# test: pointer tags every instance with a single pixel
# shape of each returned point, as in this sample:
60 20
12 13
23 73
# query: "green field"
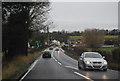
104 48
80 37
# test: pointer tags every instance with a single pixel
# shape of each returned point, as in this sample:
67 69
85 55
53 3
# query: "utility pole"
48 34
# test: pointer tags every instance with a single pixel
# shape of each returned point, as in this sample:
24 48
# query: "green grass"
106 37
15 68
103 48
75 37
108 48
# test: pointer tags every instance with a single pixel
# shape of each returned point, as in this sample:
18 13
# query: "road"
61 66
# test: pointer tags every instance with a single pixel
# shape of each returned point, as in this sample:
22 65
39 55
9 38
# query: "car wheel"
104 69
84 67
79 66
43 56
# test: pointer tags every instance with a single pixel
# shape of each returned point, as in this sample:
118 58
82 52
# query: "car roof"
91 52
46 51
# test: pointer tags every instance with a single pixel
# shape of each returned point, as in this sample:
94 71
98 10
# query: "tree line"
19 21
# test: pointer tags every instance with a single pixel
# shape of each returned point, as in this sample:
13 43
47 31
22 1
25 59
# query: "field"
80 37
104 48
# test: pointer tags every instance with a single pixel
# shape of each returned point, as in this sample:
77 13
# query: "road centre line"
83 76
71 67
55 59
59 63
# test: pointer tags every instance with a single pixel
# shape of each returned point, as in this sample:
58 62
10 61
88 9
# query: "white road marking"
56 59
83 76
71 67
24 75
59 63
31 67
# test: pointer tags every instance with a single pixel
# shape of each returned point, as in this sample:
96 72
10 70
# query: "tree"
61 36
93 37
19 19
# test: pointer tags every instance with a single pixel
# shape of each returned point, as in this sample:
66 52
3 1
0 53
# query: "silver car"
92 60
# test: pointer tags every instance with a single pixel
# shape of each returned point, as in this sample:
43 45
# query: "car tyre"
43 56
79 66
84 67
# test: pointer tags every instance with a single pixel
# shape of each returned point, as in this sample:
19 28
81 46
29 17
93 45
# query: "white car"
92 60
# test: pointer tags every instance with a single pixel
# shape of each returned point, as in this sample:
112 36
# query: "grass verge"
18 66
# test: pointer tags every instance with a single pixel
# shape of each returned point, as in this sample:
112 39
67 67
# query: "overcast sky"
77 16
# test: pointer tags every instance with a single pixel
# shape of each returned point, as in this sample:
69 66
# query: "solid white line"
83 76
31 67
25 75
71 67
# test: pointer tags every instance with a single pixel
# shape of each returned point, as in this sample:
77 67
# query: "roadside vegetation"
19 65
22 23
108 37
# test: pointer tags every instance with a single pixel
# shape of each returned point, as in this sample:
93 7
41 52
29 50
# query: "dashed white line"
83 76
71 67
55 59
59 63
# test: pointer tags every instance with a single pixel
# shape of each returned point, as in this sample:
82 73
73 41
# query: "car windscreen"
50 48
93 55
57 49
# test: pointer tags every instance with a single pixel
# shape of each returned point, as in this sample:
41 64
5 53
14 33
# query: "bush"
79 50
107 54
112 57
116 55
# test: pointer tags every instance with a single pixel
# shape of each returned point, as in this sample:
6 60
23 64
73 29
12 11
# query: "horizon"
78 16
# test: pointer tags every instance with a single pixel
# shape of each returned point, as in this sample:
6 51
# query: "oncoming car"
57 49
92 60
46 54
50 48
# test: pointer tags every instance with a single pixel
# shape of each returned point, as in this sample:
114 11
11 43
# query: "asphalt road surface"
61 66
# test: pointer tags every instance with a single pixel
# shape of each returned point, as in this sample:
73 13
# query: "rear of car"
46 54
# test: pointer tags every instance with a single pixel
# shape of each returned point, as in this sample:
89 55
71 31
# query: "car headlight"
104 62
87 62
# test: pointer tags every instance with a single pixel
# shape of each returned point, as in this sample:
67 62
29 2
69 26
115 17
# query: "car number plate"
97 64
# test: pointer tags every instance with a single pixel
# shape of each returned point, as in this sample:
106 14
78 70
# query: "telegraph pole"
48 35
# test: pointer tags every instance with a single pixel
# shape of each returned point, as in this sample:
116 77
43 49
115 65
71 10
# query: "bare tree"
93 37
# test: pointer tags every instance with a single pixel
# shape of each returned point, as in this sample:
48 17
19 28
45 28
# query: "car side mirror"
103 57
81 57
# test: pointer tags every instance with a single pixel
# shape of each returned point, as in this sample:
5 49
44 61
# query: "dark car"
56 49
46 54
51 48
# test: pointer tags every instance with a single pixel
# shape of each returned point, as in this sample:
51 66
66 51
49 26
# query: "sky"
78 16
